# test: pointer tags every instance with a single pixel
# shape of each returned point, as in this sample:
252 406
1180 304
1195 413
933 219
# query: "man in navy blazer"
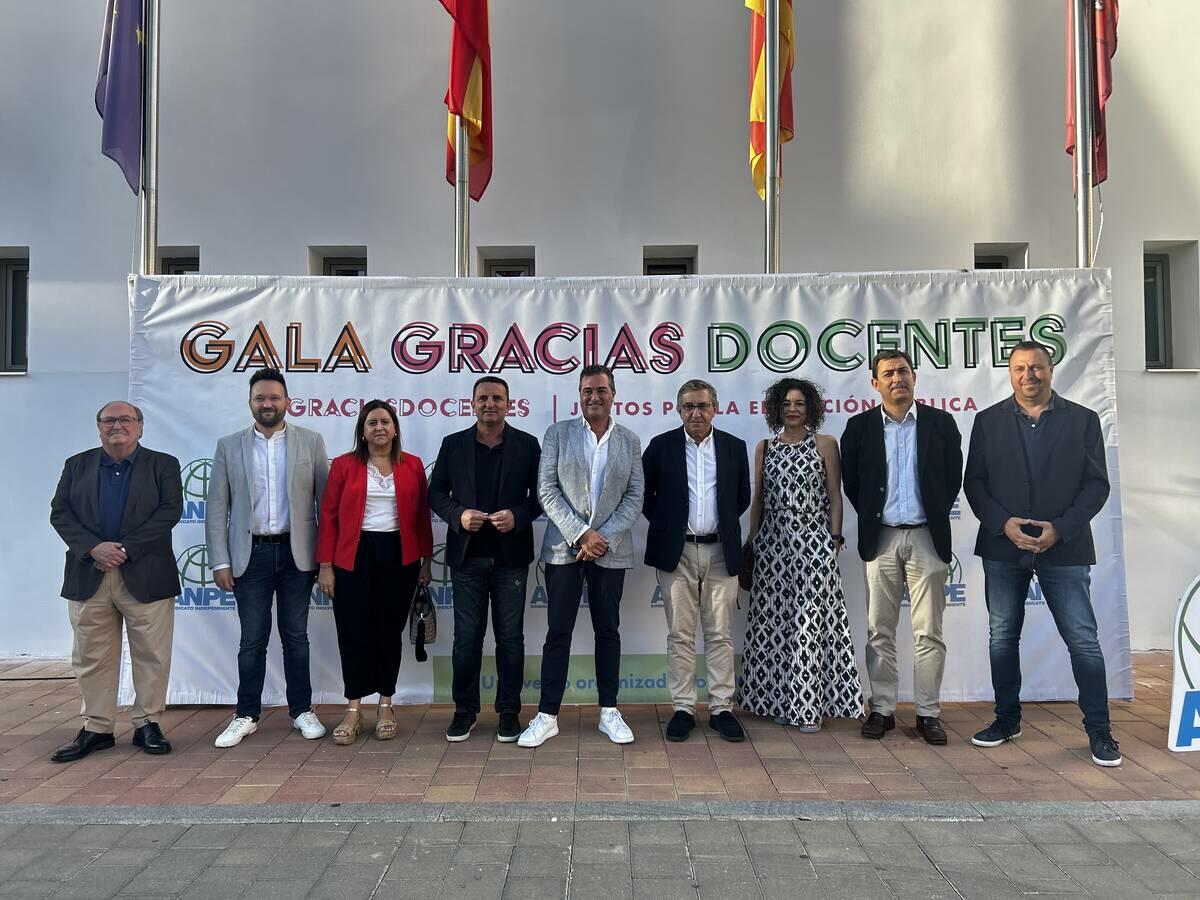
1036 477
902 469
697 487
484 487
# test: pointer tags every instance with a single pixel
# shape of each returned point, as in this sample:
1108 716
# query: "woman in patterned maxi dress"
798 663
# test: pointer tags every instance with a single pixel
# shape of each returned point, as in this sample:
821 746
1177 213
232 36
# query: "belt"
702 538
270 538
908 526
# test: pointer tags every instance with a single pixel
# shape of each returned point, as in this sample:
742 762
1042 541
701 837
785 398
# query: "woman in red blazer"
374 543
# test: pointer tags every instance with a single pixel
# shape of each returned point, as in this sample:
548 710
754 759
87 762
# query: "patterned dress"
798 663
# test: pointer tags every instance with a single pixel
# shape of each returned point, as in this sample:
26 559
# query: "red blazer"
345 501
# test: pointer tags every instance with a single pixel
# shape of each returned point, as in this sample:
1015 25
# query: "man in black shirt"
484 486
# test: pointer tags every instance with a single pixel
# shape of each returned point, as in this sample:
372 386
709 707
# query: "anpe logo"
440 588
195 476
199 589
539 598
1184 730
955 588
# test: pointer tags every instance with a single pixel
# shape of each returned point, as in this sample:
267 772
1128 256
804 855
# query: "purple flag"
119 88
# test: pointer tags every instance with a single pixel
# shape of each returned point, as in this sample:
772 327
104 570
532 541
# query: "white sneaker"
240 727
309 725
614 726
540 729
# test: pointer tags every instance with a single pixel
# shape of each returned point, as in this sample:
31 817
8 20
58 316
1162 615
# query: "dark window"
180 265
14 314
683 265
508 268
991 262
346 265
1157 287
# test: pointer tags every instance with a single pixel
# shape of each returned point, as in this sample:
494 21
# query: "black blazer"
665 505
452 490
1068 485
939 474
153 509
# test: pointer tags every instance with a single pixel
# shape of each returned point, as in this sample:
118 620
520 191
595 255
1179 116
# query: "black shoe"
724 724
997 733
930 728
1104 749
509 729
461 727
151 739
680 726
85 742
877 725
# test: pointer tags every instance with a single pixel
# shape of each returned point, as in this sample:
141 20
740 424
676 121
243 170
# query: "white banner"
421 343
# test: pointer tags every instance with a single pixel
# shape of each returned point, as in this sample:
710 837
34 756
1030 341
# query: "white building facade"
929 135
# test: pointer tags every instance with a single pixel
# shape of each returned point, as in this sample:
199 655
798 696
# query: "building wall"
922 129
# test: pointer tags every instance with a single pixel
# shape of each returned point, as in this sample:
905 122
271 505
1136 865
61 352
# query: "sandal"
348 729
385 722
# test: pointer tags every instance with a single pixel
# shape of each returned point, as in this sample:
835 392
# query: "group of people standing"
281 518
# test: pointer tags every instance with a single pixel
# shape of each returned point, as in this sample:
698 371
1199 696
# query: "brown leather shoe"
930 728
877 725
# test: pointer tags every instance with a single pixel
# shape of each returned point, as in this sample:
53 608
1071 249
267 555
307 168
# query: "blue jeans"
1066 590
271 572
476 582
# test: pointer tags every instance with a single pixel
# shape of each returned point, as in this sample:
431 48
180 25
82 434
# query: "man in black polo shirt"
484 486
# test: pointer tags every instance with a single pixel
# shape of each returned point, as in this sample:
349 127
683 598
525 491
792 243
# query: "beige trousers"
700 586
906 557
96 653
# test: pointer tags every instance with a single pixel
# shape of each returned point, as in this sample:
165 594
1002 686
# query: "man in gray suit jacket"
590 485
261 528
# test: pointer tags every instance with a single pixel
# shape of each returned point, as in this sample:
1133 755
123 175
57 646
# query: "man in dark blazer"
114 508
902 470
1036 477
697 487
484 486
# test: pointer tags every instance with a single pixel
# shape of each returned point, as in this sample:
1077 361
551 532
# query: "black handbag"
746 570
422 622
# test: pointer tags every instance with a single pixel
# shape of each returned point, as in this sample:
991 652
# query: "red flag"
1104 37
758 86
470 91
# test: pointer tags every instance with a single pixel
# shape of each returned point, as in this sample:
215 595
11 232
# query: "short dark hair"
268 375
597 369
1033 345
360 443
489 379
890 354
696 384
814 403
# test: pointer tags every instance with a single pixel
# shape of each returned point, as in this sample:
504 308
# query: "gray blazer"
564 489
228 514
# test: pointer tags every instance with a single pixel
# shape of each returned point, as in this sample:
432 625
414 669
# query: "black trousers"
370 610
564 586
476 582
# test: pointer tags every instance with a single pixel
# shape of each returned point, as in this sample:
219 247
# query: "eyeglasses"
689 408
123 421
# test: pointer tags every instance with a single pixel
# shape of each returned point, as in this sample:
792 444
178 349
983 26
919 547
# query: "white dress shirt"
271 513
903 505
702 483
598 448
380 512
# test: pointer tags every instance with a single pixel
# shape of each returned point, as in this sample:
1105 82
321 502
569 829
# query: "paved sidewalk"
606 860
275 765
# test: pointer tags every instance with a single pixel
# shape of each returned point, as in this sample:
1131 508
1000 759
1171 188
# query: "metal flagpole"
462 199
771 199
1083 74
149 196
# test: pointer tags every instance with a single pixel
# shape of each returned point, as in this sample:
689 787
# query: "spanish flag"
1104 43
758 86
470 92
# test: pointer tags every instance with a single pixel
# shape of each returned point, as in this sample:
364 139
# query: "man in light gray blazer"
590 485
261 528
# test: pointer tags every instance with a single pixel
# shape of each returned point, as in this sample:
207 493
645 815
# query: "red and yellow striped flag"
470 91
758 86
